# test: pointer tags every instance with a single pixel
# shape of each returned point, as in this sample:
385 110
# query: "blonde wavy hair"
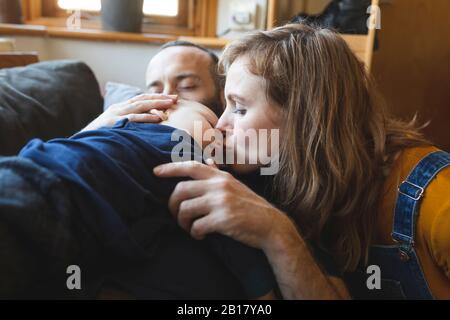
338 142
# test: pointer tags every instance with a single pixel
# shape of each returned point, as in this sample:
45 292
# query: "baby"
184 115
109 176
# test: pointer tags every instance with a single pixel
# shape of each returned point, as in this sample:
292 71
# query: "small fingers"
161 114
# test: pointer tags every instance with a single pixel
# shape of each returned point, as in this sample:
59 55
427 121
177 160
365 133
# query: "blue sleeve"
249 265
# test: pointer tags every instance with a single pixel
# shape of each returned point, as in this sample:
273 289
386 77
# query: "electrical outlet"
243 15
242 18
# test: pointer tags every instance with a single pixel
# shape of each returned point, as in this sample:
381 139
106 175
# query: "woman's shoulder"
433 226
407 160
432 239
410 157
436 199
437 194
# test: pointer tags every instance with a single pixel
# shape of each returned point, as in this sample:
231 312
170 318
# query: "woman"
341 161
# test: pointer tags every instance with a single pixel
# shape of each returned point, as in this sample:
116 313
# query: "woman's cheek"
246 146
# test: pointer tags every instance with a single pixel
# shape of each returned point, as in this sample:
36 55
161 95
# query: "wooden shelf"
53 29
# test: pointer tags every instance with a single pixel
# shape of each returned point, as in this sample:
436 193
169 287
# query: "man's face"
186 72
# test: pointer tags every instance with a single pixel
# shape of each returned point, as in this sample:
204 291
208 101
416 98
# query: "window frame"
50 8
198 18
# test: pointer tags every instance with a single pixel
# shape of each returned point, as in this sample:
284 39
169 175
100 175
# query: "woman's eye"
240 111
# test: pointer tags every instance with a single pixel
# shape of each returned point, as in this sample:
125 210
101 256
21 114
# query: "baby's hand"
160 113
138 109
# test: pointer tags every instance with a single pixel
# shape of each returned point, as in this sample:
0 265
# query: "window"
168 8
163 13
85 5
158 8
166 17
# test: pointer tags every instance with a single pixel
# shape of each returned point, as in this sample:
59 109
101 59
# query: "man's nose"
169 90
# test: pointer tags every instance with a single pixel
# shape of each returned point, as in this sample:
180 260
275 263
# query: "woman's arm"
216 202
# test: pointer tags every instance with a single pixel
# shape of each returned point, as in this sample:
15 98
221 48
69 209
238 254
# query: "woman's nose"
224 124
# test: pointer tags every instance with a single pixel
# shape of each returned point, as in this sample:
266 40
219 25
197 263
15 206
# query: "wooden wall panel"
412 66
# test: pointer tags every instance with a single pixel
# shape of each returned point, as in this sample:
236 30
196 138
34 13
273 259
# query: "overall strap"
410 192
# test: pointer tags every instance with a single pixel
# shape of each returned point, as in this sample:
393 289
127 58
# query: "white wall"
110 61
117 61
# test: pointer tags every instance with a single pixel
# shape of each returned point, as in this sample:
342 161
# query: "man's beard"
215 104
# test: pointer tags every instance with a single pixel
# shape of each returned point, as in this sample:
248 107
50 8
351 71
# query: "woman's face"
247 112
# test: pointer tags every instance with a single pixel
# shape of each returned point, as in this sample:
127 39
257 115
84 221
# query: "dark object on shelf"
10 11
122 16
345 16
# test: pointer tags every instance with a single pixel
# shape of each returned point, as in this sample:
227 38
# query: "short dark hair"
218 78
182 43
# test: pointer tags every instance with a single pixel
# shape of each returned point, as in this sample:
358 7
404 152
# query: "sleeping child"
79 201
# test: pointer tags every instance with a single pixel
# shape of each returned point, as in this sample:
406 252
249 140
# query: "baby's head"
185 114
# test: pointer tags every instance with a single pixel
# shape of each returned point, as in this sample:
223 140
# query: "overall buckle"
414 197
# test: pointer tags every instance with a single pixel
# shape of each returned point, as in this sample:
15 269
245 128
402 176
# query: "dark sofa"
46 100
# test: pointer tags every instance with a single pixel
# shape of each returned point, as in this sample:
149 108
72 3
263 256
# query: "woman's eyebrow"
236 97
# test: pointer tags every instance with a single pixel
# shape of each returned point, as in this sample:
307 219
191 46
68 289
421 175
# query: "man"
189 71
180 68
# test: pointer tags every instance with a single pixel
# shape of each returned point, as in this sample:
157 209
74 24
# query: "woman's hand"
216 202
137 109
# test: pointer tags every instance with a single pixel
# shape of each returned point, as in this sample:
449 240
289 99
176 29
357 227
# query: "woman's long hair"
337 141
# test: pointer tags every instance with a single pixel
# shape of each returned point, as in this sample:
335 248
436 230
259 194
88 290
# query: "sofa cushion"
46 100
119 92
